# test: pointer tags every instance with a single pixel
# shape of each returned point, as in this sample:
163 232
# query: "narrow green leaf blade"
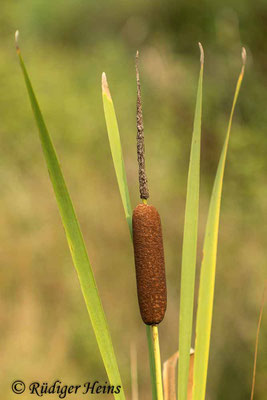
76 244
208 267
190 246
116 151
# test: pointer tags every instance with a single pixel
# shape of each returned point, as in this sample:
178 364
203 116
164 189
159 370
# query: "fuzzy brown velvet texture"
149 264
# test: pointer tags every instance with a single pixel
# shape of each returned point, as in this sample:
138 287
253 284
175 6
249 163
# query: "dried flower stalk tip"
143 187
149 264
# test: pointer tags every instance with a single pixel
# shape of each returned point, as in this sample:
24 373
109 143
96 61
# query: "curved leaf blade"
76 244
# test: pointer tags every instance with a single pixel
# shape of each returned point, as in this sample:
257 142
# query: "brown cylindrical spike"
149 264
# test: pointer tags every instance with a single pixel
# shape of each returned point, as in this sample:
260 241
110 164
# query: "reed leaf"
208 267
76 243
117 156
190 245
116 150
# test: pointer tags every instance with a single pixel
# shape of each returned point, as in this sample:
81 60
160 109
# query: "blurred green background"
45 330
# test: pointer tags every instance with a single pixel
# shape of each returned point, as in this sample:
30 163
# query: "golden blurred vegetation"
45 330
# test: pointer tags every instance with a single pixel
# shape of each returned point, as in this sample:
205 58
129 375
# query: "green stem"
151 362
157 362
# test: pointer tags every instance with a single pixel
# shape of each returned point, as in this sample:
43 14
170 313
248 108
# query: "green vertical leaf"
116 151
76 244
190 246
208 267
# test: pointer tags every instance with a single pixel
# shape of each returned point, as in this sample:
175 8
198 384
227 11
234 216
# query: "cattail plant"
193 364
145 230
148 249
147 238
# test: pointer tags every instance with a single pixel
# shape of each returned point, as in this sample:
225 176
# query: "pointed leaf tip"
105 88
16 36
201 53
244 55
17 40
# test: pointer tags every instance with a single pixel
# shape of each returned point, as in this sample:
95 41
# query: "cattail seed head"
149 264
